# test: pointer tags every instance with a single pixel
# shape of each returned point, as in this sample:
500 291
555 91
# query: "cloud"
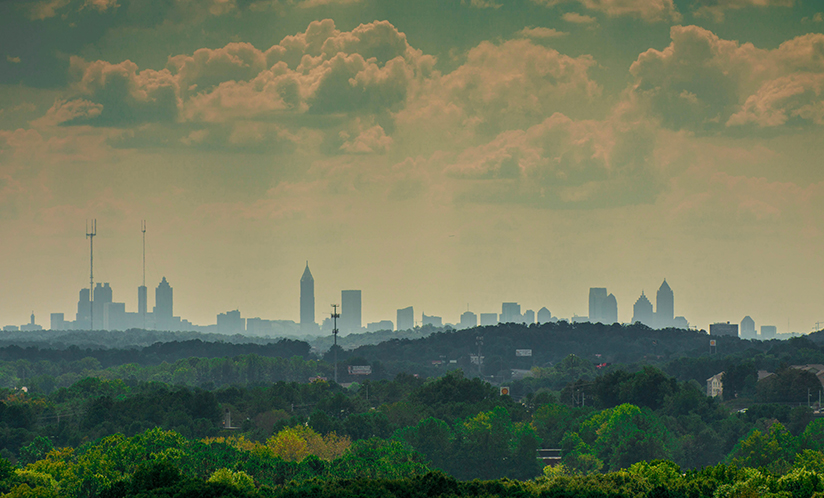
648 10
13 60
514 84
541 33
101 5
577 18
44 9
702 82
561 163
308 4
716 9
370 141
481 4
72 112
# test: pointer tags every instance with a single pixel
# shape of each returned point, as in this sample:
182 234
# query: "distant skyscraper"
544 316
511 313
83 310
434 321
468 320
642 311
768 332
597 297
664 306
164 305
603 307
102 297
58 321
350 311
748 328
406 318
230 323
307 300
489 319
142 301
728 329
609 312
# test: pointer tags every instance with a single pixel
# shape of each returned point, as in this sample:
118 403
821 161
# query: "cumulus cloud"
509 85
648 10
307 4
13 60
370 141
561 162
541 33
481 4
73 112
716 9
702 82
576 18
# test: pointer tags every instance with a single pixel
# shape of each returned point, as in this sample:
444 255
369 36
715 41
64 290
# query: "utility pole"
335 316
143 227
91 231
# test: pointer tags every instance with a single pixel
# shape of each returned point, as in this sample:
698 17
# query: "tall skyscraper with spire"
307 300
664 306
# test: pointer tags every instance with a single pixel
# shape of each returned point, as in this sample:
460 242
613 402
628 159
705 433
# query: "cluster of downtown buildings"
98 311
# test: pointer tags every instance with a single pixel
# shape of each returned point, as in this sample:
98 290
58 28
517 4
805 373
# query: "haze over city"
441 154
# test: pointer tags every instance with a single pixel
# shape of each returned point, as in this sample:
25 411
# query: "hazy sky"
434 153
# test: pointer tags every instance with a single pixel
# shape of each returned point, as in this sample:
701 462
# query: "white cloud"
481 4
703 82
717 8
648 10
308 4
541 32
576 18
13 60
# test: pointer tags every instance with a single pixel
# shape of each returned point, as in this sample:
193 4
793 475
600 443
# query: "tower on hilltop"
307 300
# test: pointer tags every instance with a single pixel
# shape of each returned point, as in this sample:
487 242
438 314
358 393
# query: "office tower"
406 319
434 321
114 316
58 321
380 326
142 301
664 306
768 332
511 313
82 317
350 311
102 296
597 297
727 329
642 311
164 305
748 328
468 320
307 300
528 317
489 319
609 311
230 323
544 316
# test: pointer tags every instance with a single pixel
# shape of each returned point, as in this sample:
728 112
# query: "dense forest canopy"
252 419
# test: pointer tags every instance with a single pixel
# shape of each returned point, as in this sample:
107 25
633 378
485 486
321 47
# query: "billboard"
360 370
523 352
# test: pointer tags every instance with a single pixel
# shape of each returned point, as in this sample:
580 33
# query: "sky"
441 154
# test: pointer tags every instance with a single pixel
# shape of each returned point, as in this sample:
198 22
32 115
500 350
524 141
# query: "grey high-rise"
307 300
664 306
350 311
164 305
597 297
406 318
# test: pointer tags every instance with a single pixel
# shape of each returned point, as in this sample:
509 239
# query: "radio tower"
91 231
335 316
143 227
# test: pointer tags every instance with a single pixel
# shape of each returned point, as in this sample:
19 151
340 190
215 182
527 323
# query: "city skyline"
602 308
434 153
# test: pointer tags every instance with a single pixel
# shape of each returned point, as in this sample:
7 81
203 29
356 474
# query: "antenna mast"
91 231
335 316
143 228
